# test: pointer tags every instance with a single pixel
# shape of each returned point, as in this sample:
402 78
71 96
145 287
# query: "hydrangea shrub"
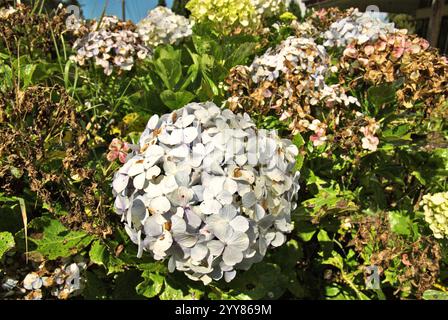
207 190
163 26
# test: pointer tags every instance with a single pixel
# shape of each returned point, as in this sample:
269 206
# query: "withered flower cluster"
417 263
399 57
290 81
22 31
46 152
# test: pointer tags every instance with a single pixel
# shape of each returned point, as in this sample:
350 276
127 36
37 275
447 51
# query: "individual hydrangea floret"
111 44
207 190
359 27
435 207
162 26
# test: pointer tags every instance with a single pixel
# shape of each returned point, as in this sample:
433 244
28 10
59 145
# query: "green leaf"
382 94
435 295
170 71
177 288
6 243
176 100
26 74
240 55
53 240
98 253
298 140
151 285
399 223
125 285
95 287
263 281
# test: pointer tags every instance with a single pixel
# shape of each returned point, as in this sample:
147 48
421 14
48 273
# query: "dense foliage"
99 199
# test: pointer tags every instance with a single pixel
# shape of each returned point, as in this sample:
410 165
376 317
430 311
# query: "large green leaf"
151 285
176 100
170 71
51 239
6 242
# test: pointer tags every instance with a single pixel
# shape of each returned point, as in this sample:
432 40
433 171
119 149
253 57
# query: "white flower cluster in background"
303 57
163 26
435 207
63 282
359 27
207 190
270 8
110 45
5 13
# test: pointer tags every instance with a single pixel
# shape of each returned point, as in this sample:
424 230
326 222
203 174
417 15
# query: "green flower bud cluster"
435 207
226 15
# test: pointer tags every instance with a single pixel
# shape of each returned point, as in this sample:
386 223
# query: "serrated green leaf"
51 239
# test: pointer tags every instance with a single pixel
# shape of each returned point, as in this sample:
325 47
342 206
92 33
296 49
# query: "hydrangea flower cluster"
163 26
359 27
435 207
111 44
207 190
62 283
289 79
398 56
226 15
270 8
5 13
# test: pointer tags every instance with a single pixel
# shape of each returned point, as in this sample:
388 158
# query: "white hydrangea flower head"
300 56
110 45
207 190
435 207
163 26
359 27
270 8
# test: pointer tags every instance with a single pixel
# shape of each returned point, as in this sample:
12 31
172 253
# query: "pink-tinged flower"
118 149
370 141
369 49
319 128
381 45
398 52
321 13
350 52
